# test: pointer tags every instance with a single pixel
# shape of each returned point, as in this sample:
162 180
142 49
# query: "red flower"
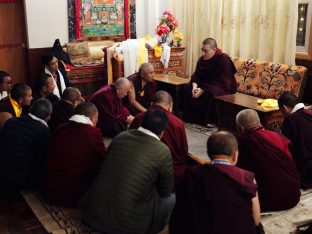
167 23
162 29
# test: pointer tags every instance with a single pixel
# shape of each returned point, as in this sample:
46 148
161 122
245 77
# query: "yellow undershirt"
17 108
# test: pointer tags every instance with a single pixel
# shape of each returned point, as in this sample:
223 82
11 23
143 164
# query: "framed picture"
97 18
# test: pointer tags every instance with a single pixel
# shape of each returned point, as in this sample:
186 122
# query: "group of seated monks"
54 144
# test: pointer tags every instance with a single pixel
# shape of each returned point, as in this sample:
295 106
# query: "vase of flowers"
167 24
178 37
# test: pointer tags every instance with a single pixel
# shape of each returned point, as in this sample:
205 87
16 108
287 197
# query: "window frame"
305 52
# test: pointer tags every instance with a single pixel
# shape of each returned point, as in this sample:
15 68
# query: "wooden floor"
16 217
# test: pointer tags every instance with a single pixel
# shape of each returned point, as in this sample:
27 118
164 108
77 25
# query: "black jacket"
22 144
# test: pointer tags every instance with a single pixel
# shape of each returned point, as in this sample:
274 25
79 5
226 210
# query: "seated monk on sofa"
217 198
75 154
51 67
113 115
143 88
214 76
266 154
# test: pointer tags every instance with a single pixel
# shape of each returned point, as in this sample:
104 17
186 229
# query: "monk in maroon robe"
139 97
75 154
113 116
266 154
18 102
297 127
63 109
174 136
214 76
217 198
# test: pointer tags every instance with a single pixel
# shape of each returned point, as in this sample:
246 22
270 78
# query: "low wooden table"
173 85
228 106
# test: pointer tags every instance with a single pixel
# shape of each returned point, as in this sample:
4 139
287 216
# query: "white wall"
46 21
148 13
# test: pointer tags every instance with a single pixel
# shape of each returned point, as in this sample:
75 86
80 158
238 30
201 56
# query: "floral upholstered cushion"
96 48
79 53
268 80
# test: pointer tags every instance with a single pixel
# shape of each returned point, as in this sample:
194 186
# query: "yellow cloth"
17 108
142 53
158 51
268 103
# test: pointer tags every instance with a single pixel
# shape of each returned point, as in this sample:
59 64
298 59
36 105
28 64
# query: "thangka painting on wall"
101 18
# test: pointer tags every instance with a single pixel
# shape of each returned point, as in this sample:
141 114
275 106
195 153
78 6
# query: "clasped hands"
129 119
196 91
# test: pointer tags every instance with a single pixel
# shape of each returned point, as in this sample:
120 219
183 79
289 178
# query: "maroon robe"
175 138
75 155
61 112
112 113
214 199
216 77
142 95
298 128
266 154
6 106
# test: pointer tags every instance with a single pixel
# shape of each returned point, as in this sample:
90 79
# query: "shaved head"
144 67
71 94
162 97
122 86
122 82
247 119
221 143
211 42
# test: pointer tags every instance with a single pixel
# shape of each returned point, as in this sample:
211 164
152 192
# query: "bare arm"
256 209
133 101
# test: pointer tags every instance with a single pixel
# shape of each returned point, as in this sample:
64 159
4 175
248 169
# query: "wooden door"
13 40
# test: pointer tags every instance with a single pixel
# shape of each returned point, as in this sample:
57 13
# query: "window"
304 26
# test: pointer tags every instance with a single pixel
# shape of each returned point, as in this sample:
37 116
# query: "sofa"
87 68
258 80
268 80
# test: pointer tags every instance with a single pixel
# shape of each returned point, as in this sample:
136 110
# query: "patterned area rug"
201 129
58 219
294 220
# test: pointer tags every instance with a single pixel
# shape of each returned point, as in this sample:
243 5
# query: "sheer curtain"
259 29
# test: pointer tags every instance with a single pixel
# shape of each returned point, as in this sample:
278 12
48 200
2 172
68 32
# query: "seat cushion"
268 80
79 53
96 48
